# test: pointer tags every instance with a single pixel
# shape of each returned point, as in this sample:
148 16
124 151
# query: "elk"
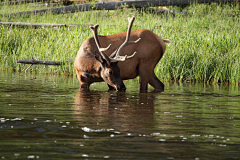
142 49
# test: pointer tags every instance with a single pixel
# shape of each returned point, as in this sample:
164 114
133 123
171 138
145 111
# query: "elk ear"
99 58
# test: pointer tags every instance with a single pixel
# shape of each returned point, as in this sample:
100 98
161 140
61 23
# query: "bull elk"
142 49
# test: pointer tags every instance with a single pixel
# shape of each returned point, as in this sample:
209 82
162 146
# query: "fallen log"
41 5
165 11
40 62
114 5
19 2
38 25
34 62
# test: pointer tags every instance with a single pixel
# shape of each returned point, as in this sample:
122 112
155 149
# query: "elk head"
110 72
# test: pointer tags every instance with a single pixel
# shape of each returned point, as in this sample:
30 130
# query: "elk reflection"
119 110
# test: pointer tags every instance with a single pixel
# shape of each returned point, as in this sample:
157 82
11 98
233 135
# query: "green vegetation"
205 42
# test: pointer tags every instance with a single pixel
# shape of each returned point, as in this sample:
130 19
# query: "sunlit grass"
5 8
206 47
205 42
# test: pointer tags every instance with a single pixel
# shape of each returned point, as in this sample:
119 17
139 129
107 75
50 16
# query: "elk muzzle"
120 87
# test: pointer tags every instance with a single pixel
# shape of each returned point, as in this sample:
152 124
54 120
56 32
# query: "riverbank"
205 43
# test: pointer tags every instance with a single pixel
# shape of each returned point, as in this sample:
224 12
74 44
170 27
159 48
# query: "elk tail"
166 41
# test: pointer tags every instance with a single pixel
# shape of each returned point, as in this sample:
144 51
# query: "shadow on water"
48 117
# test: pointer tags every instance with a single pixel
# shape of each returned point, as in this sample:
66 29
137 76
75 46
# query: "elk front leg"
83 85
110 87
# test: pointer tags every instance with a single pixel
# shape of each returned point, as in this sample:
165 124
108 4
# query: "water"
48 117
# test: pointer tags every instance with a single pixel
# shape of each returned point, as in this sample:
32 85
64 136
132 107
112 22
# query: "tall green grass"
205 43
206 46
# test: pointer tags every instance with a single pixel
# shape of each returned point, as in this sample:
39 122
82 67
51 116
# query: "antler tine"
101 50
127 42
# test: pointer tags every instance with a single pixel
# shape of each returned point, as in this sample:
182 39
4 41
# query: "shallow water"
48 117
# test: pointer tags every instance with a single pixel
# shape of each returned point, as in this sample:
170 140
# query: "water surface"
48 117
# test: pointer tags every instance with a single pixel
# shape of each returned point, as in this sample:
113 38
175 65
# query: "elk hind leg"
144 77
155 82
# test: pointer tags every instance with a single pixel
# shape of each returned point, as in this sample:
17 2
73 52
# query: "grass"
205 43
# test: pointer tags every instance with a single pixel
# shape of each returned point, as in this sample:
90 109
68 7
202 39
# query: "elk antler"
101 50
116 54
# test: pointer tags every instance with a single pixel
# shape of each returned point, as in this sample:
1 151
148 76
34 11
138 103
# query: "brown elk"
95 64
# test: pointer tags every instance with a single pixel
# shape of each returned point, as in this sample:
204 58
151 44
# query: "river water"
48 117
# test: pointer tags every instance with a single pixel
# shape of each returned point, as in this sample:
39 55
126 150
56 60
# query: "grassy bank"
205 42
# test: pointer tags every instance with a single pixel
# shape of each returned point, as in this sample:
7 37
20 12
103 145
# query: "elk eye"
110 72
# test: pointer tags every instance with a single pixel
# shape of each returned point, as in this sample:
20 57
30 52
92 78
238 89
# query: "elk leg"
78 76
155 82
144 77
84 86
110 87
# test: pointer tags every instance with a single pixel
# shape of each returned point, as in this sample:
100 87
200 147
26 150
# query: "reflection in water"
50 118
167 125
121 111
125 119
